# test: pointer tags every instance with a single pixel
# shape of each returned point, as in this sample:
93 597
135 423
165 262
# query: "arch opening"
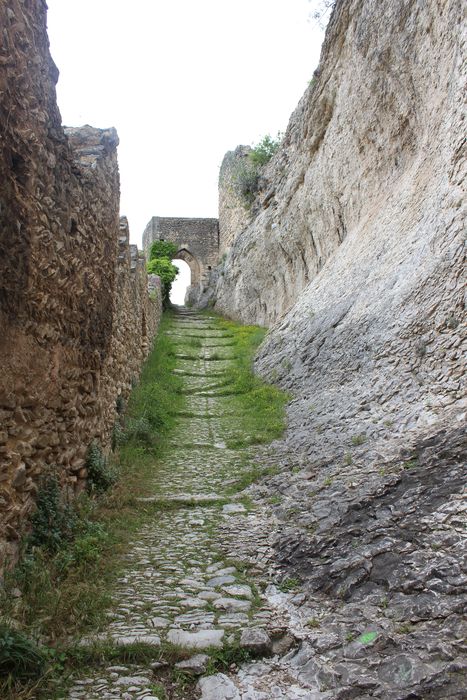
181 283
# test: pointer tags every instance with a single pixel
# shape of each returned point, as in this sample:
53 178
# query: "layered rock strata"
75 317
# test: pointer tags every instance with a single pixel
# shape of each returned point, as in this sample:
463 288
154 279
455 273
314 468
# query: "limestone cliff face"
355 251
234 217
354 257
371 153
73 304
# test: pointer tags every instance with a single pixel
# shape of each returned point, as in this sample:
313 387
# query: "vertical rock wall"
370 148
75 318
234 217
355 258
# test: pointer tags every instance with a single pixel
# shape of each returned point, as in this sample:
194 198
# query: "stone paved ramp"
179 585
204 573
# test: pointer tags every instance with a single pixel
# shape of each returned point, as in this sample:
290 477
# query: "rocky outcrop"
355 257
73 304
234 216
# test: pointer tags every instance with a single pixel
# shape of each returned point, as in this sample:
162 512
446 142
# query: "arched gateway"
197 241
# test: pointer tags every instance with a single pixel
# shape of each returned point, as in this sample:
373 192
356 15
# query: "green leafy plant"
313 622
100 474
264 150
358 439
160 263
167 271
162 249
246 182
246 176
367 637
288 584
53 521
20 658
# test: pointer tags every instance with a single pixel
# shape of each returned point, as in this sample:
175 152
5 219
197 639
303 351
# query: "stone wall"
234 216
73 306
197 241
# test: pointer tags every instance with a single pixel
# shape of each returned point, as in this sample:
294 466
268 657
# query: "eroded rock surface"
355 255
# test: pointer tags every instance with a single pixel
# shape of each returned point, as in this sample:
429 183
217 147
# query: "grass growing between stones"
259 406
57 593
58 597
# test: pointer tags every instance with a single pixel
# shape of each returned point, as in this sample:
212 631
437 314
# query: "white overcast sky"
183 81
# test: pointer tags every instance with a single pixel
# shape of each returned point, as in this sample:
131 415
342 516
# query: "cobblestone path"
181 585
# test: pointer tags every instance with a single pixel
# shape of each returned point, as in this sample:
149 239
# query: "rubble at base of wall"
203 295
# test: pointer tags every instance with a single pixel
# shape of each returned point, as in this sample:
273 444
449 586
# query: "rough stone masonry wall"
65 333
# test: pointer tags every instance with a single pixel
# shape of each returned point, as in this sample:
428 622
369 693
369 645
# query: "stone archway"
193 264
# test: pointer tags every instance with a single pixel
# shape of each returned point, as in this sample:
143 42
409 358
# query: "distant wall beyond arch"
197 241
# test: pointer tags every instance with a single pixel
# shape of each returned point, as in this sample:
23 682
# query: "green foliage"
313 622
53 522
20 658
100 474
163 249
358 439
288 584
264 150
367 637
246 176
160 263
167 271
246 181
